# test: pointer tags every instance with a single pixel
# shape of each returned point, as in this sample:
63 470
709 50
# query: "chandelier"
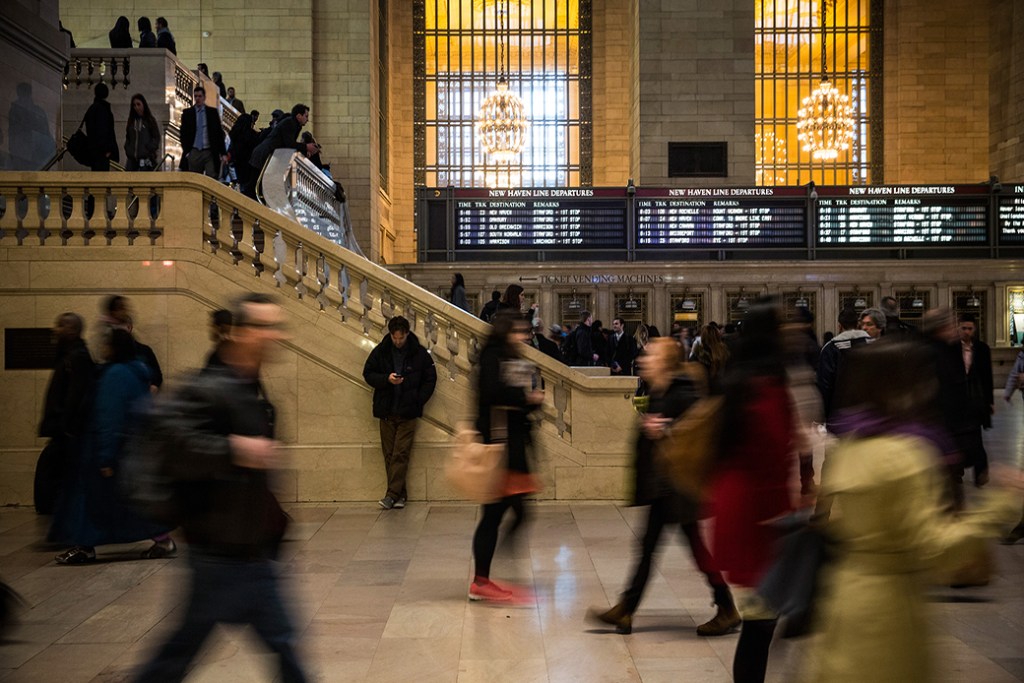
825 119
502 123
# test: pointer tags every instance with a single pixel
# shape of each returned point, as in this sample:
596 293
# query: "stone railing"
86 210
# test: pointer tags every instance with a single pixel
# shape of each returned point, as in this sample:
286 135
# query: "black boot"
751 659
726 619
618 616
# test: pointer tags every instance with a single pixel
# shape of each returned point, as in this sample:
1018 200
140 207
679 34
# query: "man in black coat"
623 349
403 377
220 430
977 361
202 137
65 410
99 126
284 135
164 37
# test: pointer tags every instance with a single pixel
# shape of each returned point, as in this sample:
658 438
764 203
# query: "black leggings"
485 539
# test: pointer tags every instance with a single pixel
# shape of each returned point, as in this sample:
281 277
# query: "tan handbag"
688 447
477 470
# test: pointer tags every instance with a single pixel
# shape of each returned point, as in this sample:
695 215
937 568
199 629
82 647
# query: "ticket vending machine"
632 308
856 299
913 305
688 310
569 308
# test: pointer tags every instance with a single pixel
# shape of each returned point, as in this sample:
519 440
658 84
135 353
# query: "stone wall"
936 107
613 40
1006 90
696 73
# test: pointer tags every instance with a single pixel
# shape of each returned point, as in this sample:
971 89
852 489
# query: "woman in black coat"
121 34
506 395
243 142
99 127
671 392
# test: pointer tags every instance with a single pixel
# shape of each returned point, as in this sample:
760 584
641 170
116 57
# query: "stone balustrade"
340 302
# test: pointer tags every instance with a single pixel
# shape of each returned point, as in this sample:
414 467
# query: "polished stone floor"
381 596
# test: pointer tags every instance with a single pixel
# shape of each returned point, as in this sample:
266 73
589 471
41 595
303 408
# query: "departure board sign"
1011 216
540 219
721 217
915 215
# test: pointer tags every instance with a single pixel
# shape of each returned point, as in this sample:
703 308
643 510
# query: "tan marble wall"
613 42
401 146
936 91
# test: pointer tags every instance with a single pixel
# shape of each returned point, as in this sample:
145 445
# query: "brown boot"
726 620
617 616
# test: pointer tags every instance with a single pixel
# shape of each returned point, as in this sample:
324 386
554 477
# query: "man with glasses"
202 138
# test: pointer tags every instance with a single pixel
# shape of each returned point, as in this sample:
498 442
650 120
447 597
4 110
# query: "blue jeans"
229 591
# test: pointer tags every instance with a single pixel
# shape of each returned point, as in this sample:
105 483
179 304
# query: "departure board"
721 217
918 215
1011 216
540 219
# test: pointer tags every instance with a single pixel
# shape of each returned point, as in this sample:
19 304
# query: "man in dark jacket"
164 37
579 346
403 377
99 126
977 360
65 410
202 138
284 135
491 307
220 428
831 358
623 349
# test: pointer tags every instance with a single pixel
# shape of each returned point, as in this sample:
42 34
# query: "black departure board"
918 215
540 219
721 217
1011 216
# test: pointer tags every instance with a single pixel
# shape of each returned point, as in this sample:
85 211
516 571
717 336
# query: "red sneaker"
521 595
483 589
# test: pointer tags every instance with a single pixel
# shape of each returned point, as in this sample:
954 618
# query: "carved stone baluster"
430 331
387 306
113 72
43 210
88 212
367 302
452 343
323 280
344 289
132 212
237 234
3 212
155 205
20 213
127 64
280 254
214 213
301 269
474 351
109 213
78 73
67 209
410 315
258 245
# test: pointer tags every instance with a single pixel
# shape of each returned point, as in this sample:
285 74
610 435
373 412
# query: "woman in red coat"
751 482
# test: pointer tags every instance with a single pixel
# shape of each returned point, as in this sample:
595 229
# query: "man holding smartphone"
403 377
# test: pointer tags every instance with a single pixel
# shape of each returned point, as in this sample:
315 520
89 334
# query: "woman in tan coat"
892 529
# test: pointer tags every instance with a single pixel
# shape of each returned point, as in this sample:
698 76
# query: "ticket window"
974 303
1015 308
856 300
738 303
913 305
792 302
569 308
688 310
632 308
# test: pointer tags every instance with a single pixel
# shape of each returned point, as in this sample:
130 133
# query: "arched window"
455 48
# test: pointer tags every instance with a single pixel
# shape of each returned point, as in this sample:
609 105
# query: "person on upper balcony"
164 37
146 36
202 137
121 35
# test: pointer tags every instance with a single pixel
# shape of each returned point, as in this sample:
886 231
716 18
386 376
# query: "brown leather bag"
687 450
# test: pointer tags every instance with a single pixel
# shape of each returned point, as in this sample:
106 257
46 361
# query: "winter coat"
501 395
891 532
90 511
650 480
458 295
405 400
282 136
69 392
99 127
750 484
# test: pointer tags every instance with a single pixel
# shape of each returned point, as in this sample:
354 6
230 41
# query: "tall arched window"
455 49
787 68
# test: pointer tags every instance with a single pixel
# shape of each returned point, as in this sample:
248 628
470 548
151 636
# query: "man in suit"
977 360
202 137
623 349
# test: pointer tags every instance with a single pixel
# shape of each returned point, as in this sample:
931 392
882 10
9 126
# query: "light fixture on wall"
825 119
502 121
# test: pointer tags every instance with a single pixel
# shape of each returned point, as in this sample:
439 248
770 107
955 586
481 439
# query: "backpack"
570 348
143 474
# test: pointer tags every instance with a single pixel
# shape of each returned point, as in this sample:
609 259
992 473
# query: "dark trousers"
228 591
52 471
396 437
203 161
485 538
658 515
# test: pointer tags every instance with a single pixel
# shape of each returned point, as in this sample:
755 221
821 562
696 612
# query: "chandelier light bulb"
502 124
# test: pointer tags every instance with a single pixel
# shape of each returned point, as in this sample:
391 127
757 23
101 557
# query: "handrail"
53 209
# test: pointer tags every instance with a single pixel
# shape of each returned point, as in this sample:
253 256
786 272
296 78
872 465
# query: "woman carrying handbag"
506 395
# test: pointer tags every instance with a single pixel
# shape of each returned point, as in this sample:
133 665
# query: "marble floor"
381 596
